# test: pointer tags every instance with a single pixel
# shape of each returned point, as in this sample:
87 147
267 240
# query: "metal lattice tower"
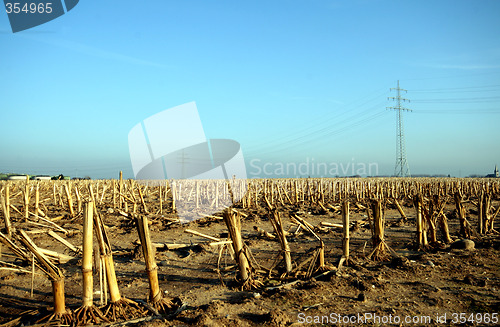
402 169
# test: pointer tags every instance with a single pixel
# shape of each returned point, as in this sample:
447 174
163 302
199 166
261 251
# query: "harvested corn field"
288 251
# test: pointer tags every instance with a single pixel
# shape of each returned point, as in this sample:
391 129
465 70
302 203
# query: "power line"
459 100
317 126
484 88
459 111
464 90
402 168
321 134
451 76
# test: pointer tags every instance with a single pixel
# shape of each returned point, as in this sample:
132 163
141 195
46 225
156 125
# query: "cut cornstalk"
333 225
6 215
114 194
54 193
104 187
121 191
70 200
60 312
440 218
322 206
7 199
20 253
193 232
161 199
88 313
78 200
174 195
319 253
26 199
305 224
492 219
120 307
400 209
480 213
57 279
421 239
275 219
232 221
429 219
345 221
65 242
296 192
464 228
379 246
444 228
37 199
142 199
60 257
486 212
156 298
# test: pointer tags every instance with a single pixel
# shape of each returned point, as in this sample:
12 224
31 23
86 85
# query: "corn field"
35 214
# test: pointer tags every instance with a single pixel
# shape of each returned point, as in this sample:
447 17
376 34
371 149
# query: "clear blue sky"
290 80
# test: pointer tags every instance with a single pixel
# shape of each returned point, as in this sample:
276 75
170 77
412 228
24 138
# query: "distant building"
17 177
41 178
495 174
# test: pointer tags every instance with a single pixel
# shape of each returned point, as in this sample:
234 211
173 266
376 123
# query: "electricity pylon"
402 169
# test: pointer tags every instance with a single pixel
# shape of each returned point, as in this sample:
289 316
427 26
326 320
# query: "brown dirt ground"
418 286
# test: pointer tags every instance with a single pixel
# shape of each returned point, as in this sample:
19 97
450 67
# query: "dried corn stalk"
242 253
88 313
119 307
156 297
56 277
380 248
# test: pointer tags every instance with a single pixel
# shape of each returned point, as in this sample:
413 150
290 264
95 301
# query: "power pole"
402 169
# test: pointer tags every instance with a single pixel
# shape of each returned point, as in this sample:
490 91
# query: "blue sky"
291 81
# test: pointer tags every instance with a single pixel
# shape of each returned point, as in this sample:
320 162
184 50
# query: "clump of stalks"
317 261
119 306
275 219
88 313
380 248
242 253
421 241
